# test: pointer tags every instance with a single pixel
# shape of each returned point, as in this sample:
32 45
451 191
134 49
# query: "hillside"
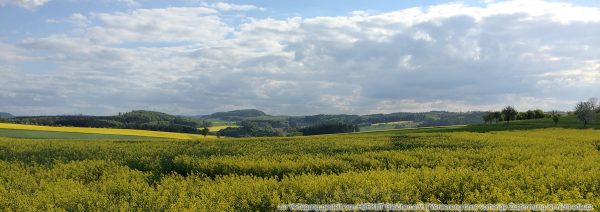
43 134
526 161
138 119
33 131
255 123
432 118
6 115
519 166
236 115
566 122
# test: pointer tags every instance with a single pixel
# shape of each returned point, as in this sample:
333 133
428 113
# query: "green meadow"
38 134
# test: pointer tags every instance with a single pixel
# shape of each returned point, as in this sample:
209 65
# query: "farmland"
525 162
202 105
389 126
40 134
220 127
32 131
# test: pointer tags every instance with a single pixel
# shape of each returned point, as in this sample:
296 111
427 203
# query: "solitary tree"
585 112
204 131
555 116
509 113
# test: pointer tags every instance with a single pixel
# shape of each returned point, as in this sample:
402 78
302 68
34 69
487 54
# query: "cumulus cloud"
12 53
224 6
189 61
128 2
28 4
176 24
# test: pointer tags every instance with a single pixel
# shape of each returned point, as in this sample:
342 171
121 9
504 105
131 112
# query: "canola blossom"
540 166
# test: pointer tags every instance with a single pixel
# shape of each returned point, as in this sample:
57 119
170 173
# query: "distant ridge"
236 114
6 115
432 118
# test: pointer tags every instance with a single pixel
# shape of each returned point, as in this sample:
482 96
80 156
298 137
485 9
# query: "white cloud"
588 74
224 6
446 57
79 19
128 2
28 4
175 24
11 53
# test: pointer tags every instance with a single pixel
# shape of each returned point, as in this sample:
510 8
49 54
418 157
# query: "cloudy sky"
295 57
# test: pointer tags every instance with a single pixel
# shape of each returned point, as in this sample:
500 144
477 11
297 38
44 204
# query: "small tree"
204 131
509 113
521 116
555 116
487 117
585 112
538 114
497 116
529 114
595 104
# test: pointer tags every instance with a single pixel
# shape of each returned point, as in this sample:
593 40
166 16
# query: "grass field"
569 122
94 132
38 134
219 122
389 126
526 162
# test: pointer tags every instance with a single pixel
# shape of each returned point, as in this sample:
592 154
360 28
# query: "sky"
193 57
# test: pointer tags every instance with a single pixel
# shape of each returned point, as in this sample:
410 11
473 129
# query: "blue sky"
18 21
296 57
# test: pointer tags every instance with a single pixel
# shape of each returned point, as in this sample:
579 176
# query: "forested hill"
151 120
236 115
432 118
6 115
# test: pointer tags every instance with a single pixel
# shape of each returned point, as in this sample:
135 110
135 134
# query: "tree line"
509 113
585 111
329 128
265 129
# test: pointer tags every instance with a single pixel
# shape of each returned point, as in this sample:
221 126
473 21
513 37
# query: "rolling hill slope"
101 131
257 174
6 115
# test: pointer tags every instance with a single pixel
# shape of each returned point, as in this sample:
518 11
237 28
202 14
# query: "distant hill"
6 115
236 115
432 118
423 119
253 122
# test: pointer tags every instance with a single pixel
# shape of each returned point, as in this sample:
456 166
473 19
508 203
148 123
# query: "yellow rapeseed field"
110 131
217 128
537 166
